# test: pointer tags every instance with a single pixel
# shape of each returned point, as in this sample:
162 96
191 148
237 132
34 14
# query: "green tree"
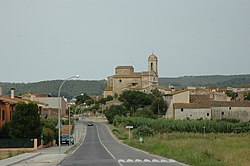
247 96
81 99
232 94
25 121
159 105
145 113
114 110
5 131
104 100
133 100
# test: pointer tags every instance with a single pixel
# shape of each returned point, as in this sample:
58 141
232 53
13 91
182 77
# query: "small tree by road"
25 121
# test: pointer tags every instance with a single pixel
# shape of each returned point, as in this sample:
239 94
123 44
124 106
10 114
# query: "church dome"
152 57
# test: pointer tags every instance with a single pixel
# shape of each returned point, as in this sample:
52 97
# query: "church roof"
152 57
124 67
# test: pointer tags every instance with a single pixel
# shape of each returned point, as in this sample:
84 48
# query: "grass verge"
197 149
9 153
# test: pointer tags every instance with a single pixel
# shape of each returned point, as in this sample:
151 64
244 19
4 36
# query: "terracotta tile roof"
176 92
209 104
167 88
16 100
199 97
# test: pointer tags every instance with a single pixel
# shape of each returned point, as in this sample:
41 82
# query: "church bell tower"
153 69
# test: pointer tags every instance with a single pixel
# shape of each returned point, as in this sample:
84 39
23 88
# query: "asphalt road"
100 148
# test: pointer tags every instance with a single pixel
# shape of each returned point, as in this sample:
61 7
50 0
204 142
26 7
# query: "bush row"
196 126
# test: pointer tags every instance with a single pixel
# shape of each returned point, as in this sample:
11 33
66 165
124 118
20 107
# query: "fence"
23 144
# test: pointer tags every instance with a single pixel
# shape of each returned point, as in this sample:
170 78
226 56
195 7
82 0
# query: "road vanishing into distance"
100 148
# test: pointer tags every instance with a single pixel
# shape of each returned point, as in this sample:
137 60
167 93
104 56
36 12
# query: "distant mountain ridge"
222 81
96 87
69 89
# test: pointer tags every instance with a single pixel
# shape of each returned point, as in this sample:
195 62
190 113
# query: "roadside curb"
17 159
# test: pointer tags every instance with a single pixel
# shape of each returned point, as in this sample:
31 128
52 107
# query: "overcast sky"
55 39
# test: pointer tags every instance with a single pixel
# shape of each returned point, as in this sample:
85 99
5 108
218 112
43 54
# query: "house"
239 88
182 96
51 109
126 78
217 110
8 105
212 105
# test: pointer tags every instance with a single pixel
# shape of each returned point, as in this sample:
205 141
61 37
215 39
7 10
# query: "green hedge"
17 143
196 126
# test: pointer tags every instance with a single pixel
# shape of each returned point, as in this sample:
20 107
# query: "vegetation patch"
8 153
199 149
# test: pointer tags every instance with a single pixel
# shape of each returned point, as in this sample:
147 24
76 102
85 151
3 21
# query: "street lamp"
59 110
69 113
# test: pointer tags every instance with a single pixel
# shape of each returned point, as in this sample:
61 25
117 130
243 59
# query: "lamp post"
69 114
59 110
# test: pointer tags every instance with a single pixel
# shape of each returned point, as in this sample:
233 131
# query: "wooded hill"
96 87
69 89
222 81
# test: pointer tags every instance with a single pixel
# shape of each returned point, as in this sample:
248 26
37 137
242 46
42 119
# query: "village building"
52 104
126 78
212 105
8 106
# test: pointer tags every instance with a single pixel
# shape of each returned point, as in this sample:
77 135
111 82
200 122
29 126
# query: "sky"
56 39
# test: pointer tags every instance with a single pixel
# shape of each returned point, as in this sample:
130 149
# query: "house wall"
188 113
124 71
239 113
124 83
181 97
108 93
110 81
219 96
145 81
53 103
5 113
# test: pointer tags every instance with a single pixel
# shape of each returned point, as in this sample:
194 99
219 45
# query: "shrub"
144 131
145 113
5 131
48 135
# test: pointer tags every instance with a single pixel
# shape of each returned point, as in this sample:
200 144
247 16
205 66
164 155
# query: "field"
195 148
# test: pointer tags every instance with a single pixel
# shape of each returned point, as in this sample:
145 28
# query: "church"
126 78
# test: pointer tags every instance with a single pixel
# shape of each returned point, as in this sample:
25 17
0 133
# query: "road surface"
100 148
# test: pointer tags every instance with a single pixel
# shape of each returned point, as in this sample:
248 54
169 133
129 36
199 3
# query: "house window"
181 109
207 114
3 115
230 108
120 80
134 84
222 113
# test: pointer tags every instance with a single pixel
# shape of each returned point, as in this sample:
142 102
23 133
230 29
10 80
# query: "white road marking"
146 161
